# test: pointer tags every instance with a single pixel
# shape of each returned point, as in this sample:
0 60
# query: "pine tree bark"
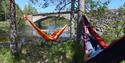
72 21
13 34
81 8
77 57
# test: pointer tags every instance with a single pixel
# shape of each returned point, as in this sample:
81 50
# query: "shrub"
5 55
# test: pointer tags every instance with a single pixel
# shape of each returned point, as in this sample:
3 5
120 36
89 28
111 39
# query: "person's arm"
86 57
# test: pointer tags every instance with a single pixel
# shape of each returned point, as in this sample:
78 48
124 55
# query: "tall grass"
5 55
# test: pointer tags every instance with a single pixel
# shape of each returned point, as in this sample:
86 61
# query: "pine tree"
13 35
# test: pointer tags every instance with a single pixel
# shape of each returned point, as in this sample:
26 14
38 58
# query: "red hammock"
113 53
95 41
54 36
87 25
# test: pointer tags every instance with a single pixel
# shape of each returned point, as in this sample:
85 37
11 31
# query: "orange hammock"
52 37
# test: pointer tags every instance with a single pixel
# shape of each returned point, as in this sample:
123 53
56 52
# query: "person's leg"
114 53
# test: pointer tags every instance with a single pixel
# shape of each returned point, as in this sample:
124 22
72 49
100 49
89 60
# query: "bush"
113 31
5 55
51 52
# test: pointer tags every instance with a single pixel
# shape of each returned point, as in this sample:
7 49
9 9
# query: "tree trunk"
13 35
72 21
77 57
81 8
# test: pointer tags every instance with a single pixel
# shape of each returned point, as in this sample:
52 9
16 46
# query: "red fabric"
84 36
99 39
102 43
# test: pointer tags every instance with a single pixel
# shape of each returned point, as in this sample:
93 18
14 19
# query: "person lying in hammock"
53 37
90 51
114 53
96 51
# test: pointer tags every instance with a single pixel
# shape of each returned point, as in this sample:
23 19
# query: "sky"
114 4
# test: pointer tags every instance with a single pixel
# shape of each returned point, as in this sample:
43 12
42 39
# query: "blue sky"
113 5
116 4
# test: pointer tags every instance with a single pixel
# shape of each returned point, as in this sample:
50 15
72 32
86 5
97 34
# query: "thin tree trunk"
72 21
81 9
13 35
77 57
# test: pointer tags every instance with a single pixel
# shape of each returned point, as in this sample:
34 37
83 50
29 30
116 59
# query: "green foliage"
123 61
4 10
58 21
18 11
29 10
97 8
19 20
5 55
113 31
4 26
64 52
78 49
2 17
4 31
122 11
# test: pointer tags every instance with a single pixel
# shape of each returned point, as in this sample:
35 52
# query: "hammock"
54 36
98 51
92 36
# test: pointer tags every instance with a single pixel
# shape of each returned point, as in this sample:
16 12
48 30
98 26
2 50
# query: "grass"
30 53
5 55
4 31
55 53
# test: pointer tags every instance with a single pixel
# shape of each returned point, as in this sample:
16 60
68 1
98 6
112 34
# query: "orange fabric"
54 36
